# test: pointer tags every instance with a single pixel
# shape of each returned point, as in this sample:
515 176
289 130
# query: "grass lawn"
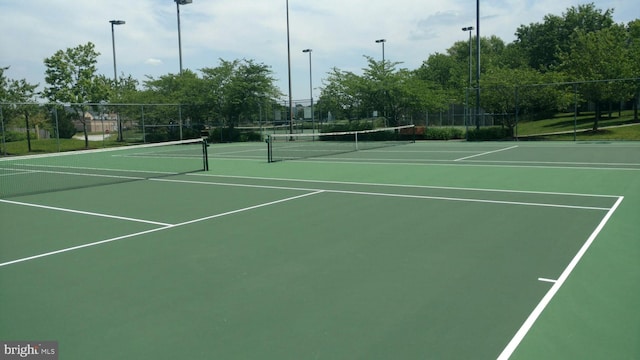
565 122
41 146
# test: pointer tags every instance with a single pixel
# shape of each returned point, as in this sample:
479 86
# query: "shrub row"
490 133
439 133
10 136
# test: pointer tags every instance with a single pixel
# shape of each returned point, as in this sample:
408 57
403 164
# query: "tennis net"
33 174
301 146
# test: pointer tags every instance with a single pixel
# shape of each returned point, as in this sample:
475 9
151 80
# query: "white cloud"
154 62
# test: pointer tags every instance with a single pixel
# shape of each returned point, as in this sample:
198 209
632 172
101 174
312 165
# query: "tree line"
579 57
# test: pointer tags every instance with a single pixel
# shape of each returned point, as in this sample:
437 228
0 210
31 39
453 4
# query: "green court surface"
431 250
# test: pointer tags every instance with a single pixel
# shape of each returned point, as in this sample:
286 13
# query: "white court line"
526 326
486 153
400 185
89 213
418 162
556 162
155 230
387 194
31 171
90 168
547 280
17 172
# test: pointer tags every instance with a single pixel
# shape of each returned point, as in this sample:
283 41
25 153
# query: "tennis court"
427 250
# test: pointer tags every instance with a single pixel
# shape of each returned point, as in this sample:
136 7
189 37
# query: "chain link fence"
536 111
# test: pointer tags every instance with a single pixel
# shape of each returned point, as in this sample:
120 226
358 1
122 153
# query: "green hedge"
225 135
10 136
443 133
490 133
351 126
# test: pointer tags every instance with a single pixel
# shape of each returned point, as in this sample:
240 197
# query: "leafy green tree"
381 88
232 92
544 42
18 97
71 78
442 69
248 84
341 95
596 57
22 93
633 42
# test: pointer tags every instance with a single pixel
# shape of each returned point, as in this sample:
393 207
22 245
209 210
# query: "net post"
356 140
269 149
205 155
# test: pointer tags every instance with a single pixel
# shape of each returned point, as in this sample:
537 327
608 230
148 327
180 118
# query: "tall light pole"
382 41
477 64
178 3
289 74
113 44
466 105
310 88
115 71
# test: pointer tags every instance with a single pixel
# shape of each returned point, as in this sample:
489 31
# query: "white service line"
547 280
358 183
444 198
526 326
486 153
155 230
84 212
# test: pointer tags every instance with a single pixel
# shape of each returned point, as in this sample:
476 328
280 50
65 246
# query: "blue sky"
340 32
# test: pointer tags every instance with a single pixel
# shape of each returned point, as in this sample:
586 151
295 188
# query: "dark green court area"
430 250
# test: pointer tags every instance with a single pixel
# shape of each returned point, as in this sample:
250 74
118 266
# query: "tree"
544 42
239 88
17 96
233 92
341 95
71 78
385 88
21 93
596 58
633 43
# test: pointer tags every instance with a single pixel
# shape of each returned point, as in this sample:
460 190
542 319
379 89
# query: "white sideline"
526 326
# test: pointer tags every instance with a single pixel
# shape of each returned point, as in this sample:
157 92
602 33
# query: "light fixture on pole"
178 3
466 105
115 71
382 41
310 88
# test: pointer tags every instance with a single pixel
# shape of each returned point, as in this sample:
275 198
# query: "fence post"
575 111
516 110
4 147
